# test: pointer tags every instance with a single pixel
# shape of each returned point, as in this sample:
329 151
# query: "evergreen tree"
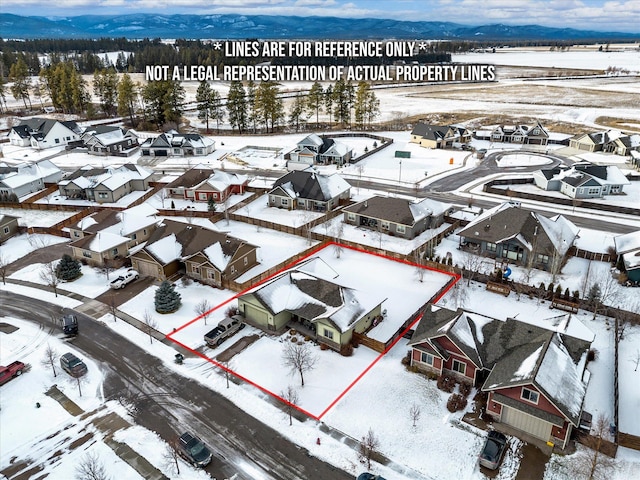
3 98
296 112
216 110
328 101
343 98
315 101
68 268
105 87
594 295
237 106
19 75
167 300
268 106
203 97
127 95
163 101
251 111
211 205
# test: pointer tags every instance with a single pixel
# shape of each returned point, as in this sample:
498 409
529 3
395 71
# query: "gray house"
8 227
583 180
396 216
316 149
105 185
309 190
110 140
27 178
520 236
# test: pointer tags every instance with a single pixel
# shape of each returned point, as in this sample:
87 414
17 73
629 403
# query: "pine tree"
105 87
211 205
296 112
237 106
127 94
268 106
203 97
328 101
19 75
167 300
315 101
68 268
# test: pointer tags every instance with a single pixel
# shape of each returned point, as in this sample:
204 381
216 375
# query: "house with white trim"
43 133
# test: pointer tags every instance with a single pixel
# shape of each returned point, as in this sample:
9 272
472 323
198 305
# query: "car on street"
123 280
369 476
73 365
192 449
69 324
493 450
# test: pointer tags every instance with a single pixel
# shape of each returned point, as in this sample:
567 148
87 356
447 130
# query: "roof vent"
366 204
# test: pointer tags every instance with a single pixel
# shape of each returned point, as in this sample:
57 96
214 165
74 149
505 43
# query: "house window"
400 228
328 334
199 151
212 275
57 140
233 269
195 269
6 230
176 151
134 236
114 251
536 131
351 217
544 259
459 366
426 358
529 395
284 201
492 247
246 261
384 224
75 234
102 194
594 191
144 232
203 196
86 254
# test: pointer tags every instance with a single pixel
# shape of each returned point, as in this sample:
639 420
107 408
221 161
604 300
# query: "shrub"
346 350
446 383
68 268
231 311
592 354
465 389
456 402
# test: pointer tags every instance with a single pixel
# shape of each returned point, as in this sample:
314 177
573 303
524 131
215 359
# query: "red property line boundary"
456 277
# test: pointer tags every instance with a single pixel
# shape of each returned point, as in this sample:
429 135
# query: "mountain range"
233 26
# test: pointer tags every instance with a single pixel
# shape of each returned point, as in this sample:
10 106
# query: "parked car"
73 365
226 328
14 369
493 450
369 476
124 279
192 449
69 324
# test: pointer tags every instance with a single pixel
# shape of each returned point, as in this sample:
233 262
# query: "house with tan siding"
8 227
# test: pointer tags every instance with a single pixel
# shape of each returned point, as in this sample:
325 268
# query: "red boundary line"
456 277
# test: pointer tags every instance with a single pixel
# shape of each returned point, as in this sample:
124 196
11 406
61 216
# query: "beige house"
105 185
8 227
439 136
128 223
100 249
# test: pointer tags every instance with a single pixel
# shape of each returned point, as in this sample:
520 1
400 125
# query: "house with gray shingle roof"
202 183
178 144
534 134
535 378
8 227
318 149
110 140
309 190
44 133
582 180
396 216
439 136
106 185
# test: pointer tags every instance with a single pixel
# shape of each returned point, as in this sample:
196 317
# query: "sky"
614 15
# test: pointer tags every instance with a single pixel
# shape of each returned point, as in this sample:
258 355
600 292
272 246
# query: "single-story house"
316 149
8 227
521 236
534 134
106 185
536 379
202 183
628 251
582 180
44 133
126 223
110 140
100 249
206 255
26 178
309 190
396 216
178 144
439 136
607 141
323 309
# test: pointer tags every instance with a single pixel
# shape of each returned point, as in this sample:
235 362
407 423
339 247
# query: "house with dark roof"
314 149
202 183
536 379
106 185
110 140
205 255
439 136
178 144
8 227
628 251
309 190
44 133
396 216
606 141
324 309
534 134
515 234
582 180
26 178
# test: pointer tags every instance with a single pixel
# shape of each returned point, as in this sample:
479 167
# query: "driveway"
123 295
41 255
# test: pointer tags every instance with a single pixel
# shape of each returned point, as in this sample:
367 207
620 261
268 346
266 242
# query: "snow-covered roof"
627 242
102 241
166 249
560 230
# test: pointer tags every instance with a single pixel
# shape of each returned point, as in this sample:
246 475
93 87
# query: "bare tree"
299 358
608 291
338 235
171 458
471 264
131 401
592 463
636 360
4 264
50 358
112 305
555 264
91 468
420 270
368 446
290 397
38 241
80 381
203 308
414 414
150 324
162 195
49 277
225 208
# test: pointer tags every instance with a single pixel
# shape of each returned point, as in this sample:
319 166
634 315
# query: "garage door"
255 314
527 423
147 269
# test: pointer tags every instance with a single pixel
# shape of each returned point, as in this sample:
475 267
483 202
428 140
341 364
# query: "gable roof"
398 210
40 127
100 242
110 177
431 132
110 221
311 185
220 181
191 177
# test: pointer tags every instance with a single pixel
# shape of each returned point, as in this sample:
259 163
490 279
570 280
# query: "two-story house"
309 190
43 133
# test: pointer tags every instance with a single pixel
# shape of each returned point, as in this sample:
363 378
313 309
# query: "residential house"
43 133
607 141
26 178
101 249
582 180
515 234
205 255
396 216
536 379
628 251
202 183
8 227
110 140
321 308
439 136
106 185
314 149
534 134
178 145
309 190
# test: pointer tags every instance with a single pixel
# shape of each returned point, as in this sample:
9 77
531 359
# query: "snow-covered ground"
20 245
37 218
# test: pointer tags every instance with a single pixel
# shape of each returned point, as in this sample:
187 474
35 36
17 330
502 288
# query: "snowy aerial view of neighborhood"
319 239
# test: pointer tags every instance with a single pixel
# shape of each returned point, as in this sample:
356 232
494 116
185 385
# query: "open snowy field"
37 218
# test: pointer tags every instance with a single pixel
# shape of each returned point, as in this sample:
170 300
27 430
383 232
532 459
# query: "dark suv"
73 365
194 450
69 324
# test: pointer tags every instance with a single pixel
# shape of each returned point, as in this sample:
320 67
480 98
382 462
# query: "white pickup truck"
124 279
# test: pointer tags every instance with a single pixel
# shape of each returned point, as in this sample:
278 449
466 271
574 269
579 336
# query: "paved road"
169 403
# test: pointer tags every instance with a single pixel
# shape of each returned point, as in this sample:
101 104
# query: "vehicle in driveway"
14 369
123 280
193 450
369 476
493 450
69 324
226 328
73 365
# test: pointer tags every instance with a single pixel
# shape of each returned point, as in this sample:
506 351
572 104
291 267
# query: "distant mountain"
278 27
